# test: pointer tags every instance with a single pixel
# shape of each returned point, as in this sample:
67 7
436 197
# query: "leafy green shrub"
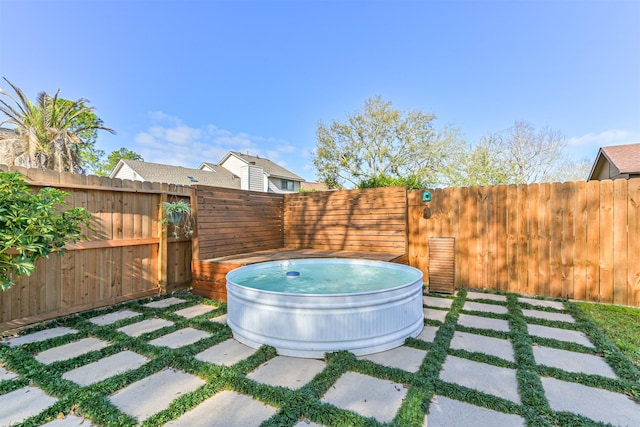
32 226
382 180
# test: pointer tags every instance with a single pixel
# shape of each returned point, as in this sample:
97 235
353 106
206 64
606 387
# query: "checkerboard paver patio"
486 332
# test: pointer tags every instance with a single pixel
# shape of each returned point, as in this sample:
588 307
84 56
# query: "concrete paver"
597 404
478 343
180 338
145 326
488 308
6 375
195 310
226 353
43 335
154 393
482 295
107 319
542 303
547 315
71 350
368 396
572 361
480 322
428 333
290 372
487 378
560 334
105 368
307 423
405 358
226 409
437 302
220 319
18 405
164 303
434 314
445 412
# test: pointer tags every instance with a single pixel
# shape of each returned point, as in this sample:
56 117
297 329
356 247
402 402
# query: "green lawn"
620 324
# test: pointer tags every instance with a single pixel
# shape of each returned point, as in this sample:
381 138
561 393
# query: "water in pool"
320 278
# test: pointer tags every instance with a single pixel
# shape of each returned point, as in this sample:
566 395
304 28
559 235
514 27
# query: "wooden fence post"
163 247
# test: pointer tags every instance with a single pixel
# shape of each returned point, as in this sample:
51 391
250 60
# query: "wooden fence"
578 239
235 221
372 220
127 254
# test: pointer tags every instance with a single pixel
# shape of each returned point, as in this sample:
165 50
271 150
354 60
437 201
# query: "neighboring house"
216 176
258 174
616 162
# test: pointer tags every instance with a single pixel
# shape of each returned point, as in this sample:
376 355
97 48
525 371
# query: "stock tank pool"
307 307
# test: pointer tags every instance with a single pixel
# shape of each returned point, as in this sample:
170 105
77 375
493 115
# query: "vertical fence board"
606 241
605 261
523 238
501 237
633 249
456 198
555 248
534 256
593 241
568 236
462 243
620 238
512 238
490 250
580 246
542 210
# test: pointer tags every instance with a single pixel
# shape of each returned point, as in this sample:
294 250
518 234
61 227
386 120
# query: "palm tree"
50 130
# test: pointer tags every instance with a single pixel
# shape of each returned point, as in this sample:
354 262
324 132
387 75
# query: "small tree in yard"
32 226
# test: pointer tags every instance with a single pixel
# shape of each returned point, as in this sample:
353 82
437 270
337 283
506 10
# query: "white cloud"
169 140
587 146
608 137
160 117
182 135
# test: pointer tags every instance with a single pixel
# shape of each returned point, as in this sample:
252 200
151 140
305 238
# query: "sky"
186 81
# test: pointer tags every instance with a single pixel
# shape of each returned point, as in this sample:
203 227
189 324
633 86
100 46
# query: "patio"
482 359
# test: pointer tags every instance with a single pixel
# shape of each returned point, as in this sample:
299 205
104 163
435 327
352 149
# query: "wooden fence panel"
118 262
372 220
235 221
577 240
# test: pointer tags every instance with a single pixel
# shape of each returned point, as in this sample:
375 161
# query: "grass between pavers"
305 403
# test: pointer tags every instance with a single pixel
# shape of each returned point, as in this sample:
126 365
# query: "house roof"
317 186
156 172
625 158
270 168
